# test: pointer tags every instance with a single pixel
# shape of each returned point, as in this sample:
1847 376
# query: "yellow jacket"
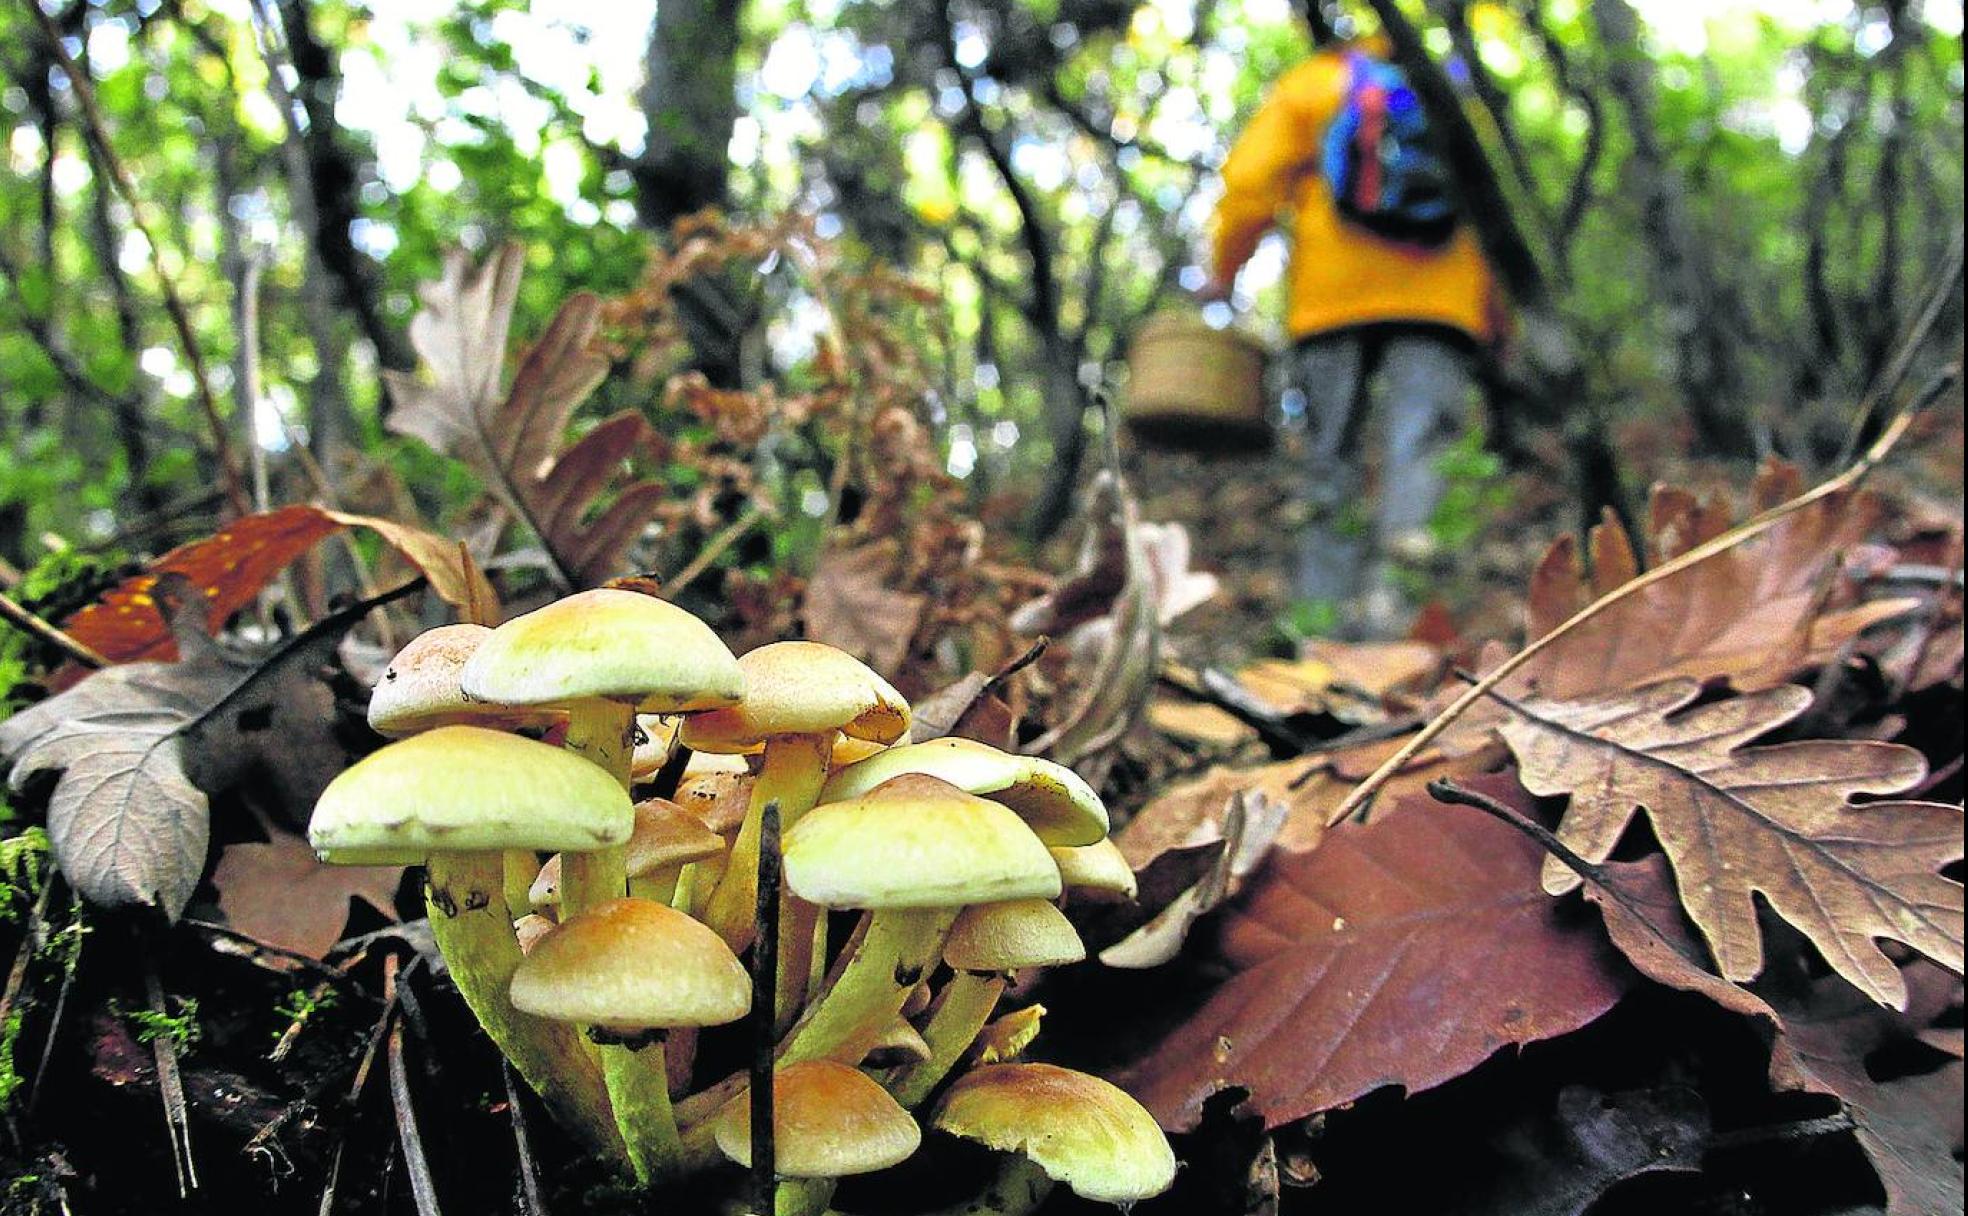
1341 274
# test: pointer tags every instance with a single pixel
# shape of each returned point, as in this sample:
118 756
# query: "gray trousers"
1423 379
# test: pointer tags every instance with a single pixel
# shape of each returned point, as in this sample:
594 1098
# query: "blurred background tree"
1728 206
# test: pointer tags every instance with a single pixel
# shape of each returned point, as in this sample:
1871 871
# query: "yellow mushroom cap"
1012 934
655 737
1079 1129
1061 807
802 688
632 964
916 842
828 1121
607 643
463 788
1097 872
900 1043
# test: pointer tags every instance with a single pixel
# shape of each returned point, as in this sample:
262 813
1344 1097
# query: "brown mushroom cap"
607 643
1079 1129
1061 807
419 689
802 688
916 842
664 835
629 965
464 788
828 1121
529 929
1010 935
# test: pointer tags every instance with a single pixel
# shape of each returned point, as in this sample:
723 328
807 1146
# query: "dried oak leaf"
1403 952
136 748
1821 1034
1754 615
513 440
229 568
278 892
1739 822
850 604
1249 828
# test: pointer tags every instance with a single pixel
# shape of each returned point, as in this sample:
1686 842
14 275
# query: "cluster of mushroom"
595 969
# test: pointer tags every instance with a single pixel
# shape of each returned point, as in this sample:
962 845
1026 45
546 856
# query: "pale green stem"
604 732
893 950
638 1086
472 923
1018 1190
962 1011
791 773
659 885
802 1196
522 866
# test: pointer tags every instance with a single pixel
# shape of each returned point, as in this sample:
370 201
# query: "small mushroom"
987 943
633 969
911 852
1064 1126
829 1121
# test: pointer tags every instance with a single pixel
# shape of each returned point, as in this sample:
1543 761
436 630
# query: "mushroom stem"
1018 1189
638 1086
472 923
890 954
604 732
802 1196
961 1012
522 867
791 773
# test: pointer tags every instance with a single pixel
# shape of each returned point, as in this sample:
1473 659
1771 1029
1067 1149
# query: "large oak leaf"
1404 952
1754 615
1738 822
513 439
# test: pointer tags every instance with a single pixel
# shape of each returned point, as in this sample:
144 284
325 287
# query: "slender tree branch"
98 135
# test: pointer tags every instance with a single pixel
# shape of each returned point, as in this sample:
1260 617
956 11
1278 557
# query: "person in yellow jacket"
1371 316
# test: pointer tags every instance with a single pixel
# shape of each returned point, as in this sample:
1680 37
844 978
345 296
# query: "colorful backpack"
1381 161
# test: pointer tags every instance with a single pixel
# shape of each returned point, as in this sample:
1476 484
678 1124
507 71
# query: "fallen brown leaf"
277 892
1403 952
1740 822
851 604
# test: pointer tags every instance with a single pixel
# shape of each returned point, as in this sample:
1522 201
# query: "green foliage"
300 1005
178 1024
1473 492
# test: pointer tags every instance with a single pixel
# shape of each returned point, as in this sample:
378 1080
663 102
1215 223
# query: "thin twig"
715 548
1756 525
98 134
170 1085
765 969
423 1188
531 1201
27 622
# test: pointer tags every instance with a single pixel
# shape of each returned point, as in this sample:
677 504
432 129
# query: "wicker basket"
1197 388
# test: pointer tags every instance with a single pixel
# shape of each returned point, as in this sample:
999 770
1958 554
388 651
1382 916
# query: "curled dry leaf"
513 439
1403 952
1250 827
1739 822
226 570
